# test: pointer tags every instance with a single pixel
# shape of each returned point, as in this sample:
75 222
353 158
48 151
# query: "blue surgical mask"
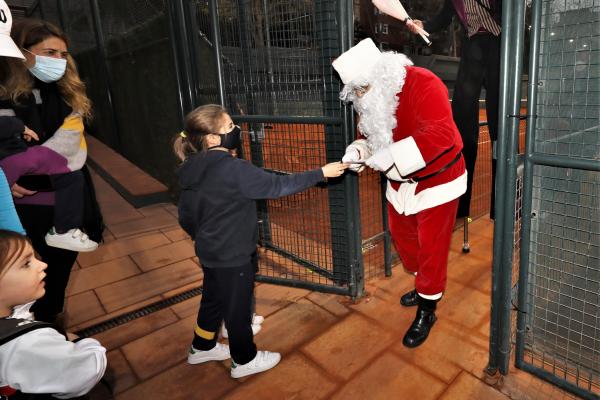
48 69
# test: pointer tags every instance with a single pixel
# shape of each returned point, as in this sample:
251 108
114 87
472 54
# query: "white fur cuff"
407 156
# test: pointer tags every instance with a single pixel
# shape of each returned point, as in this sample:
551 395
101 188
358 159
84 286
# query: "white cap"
8 48
357 61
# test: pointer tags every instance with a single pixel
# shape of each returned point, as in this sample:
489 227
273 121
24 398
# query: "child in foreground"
35 358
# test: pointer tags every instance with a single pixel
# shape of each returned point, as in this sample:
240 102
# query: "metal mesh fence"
563 296
371 223
79 25
514 282
207 89
569 89
564 276
482 176
296 232
275 58
271 57
139 72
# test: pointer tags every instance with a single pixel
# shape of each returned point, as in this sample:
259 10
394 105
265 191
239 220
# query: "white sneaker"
73 239
263 361
255 329
257 319
218 353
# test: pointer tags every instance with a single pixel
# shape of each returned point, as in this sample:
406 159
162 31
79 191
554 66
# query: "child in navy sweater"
217 209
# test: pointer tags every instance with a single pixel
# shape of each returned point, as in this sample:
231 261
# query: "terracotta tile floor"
332 348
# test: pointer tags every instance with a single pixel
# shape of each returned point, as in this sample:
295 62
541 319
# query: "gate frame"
500 325
354 286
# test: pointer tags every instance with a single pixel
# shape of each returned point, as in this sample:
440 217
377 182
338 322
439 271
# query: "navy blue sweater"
217 205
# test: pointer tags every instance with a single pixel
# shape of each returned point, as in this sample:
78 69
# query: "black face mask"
232 139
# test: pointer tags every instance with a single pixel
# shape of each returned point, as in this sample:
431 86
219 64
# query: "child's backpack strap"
12 328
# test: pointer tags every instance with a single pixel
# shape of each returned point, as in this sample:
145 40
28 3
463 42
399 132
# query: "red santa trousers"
423 243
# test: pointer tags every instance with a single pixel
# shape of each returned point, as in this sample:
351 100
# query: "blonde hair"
29 32
197 124
12 246
14 79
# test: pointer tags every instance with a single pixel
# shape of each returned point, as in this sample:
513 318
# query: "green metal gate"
556 299
269 64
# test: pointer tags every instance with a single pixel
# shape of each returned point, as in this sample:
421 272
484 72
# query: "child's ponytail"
183 147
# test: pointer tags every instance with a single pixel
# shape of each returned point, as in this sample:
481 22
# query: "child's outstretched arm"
256 183
334 169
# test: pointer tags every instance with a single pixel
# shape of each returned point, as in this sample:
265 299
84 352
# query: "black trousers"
479 67
37 220
227 295
69 202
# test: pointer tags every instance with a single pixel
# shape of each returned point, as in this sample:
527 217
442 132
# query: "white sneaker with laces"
255 329
218 353
73 239
263 361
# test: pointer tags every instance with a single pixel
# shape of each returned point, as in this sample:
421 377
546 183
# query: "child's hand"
334 169
29 134
19 192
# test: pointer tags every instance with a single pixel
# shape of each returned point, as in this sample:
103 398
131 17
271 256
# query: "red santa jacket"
426 142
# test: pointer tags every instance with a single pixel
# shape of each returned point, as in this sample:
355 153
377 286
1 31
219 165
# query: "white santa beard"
377 111
377 107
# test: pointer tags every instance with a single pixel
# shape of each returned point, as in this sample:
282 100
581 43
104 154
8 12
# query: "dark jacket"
11 136
457 7
217 205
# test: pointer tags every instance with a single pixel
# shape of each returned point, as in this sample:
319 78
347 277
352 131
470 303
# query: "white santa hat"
8 48
356 63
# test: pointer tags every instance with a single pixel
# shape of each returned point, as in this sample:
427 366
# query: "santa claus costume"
409 134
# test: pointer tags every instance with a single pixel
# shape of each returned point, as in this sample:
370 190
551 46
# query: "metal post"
512 148
61 14
42 15
270 60
466 246
497 284
343 193
176 64
257 131
387 237
357 275
179 30
216 40
192 35
104 67
534 59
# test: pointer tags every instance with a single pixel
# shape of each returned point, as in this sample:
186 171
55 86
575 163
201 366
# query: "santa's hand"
353 158
382 160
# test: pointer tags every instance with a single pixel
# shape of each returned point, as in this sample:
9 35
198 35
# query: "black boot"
419 330
409 299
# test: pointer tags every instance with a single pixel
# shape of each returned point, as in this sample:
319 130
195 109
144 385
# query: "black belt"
439 171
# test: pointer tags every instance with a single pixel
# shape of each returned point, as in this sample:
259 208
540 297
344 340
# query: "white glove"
382 160
352 155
